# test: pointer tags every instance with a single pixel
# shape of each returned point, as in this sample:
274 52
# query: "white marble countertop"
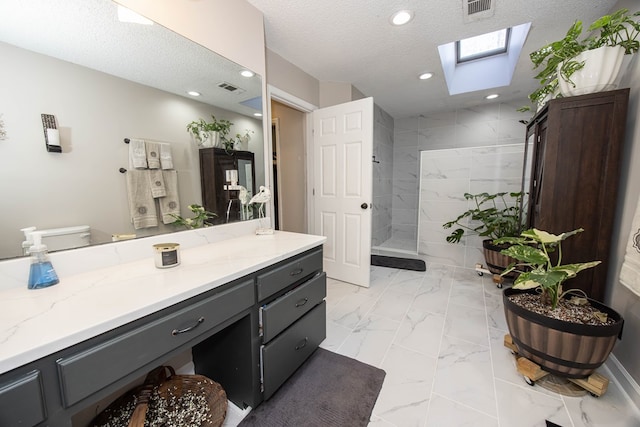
36 323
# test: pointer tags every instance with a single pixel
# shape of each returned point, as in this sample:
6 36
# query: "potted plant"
492 216
562 63
210 134
562 330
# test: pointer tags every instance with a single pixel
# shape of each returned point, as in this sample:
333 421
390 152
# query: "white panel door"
343 149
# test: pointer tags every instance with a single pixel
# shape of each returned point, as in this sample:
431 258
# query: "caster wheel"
529 381
594 395
480 273
499 285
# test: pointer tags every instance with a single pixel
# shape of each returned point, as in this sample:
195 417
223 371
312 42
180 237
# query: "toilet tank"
66 237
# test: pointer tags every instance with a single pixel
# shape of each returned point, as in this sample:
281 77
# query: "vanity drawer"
89 371
21 401
279 314
282 356
288 273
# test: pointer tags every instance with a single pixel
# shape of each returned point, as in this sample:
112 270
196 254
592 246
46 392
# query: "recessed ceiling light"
247 73
401 17
492 96
193 93
425 76
257 114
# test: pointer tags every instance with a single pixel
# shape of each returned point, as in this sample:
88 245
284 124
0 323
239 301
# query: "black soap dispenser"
41 273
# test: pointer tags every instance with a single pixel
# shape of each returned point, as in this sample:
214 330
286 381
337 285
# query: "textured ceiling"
352 41
88 33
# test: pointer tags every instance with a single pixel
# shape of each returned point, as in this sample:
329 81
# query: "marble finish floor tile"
439 335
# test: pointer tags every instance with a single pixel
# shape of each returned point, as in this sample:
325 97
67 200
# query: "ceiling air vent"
231 88
477 9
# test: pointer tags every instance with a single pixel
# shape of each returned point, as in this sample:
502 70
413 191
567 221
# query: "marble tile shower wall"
382 175
485 125
445 176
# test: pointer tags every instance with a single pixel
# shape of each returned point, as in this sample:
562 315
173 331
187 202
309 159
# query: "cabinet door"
538 139
576 176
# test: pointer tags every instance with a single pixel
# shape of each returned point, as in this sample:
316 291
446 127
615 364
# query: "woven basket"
177 400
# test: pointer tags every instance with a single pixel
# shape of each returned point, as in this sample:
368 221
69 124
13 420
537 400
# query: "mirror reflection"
73 66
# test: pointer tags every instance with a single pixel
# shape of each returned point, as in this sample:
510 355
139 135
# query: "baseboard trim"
624 379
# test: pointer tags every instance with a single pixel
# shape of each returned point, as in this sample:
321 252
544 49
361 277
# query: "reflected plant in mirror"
105 89
199 219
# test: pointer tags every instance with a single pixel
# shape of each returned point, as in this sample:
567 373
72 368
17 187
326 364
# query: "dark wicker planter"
567 349
497 262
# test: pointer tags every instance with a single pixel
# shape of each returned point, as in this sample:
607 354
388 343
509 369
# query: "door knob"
364 206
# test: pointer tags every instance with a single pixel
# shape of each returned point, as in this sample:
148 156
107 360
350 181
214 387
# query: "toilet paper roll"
53 137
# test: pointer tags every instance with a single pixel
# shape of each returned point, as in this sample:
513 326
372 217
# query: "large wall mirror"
104 80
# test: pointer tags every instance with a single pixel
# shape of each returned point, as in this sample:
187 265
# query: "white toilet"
67 237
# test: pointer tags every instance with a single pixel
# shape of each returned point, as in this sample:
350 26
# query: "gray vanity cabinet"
292 317
236 338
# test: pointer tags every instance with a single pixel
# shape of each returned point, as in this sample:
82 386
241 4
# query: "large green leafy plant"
537 268
492 216
617 29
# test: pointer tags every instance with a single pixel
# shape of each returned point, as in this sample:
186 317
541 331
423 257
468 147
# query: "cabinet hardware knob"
187 329
296 272
302 302
302 343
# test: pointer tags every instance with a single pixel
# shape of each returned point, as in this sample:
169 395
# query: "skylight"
482 46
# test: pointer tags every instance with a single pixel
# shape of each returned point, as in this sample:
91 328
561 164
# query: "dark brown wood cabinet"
573 155
218 193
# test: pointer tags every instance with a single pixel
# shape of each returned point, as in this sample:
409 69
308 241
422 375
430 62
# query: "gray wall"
627 351
382 175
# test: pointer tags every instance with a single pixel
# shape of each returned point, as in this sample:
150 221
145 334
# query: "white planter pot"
600 71
211 140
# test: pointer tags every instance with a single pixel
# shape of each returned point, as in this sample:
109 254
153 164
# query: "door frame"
273 93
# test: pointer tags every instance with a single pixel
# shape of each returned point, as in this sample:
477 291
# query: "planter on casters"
563 348
497 262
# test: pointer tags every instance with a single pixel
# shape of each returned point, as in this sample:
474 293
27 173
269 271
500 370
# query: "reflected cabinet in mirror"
228 183
99 81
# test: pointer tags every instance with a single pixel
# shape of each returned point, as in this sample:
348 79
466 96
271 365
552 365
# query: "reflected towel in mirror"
166 159
170 204
156 183
137 154
153 154
142 205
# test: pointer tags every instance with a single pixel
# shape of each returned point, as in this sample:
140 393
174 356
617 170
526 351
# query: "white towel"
170 204
137 154
630 272
166 159
142 205
156 183
153 154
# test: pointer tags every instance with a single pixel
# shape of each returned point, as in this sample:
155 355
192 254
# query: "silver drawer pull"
302 343
302 302
296 272
187 329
